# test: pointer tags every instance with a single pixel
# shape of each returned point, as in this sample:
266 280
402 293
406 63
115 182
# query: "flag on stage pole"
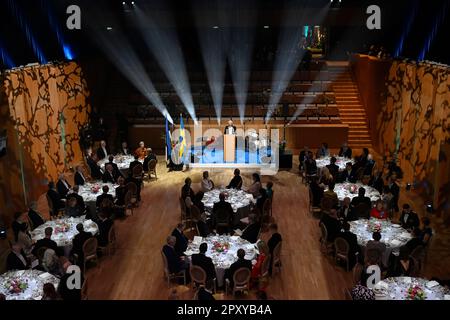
182 138
168 140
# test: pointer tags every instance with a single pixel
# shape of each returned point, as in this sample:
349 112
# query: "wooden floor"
135 270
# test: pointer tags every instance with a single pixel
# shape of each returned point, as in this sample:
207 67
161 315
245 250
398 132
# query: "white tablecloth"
88 193
223 260
397 289
348 189
64 230
237 198
393 235
340 162
31 281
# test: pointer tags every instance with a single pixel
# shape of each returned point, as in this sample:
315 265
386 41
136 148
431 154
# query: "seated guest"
377 181
124 150
102 151
49 292
66 293
222 212
376 244
79 177
35 217
345 212
427 232
72 209
310 165
331 195
349 174
394 189
352 241
255 186
361 198
415 241
104 225
361 161
51 263
46 242
182 241
409 219
109 176
262 256
186 190
79 199
24 239
323 151
202 226
361 292
316 191
96 172
365 180
79 240
261 199
55 198
403 266
176 263
197 201
275 239
333 168
204 262
104 199
379 211
18 224
302 157
332 224
240 263
236 182
121 191
150 156
325 177
62 186
204 292
370 164
16 259
133 164
207 183
269 190
345 151
115 167
252 231
141 151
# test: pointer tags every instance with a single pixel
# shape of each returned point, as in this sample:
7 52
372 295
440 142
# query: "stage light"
123 3
408 186
430 208
266 27
216 27
109 28
132 2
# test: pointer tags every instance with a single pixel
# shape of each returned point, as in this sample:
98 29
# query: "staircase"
351 110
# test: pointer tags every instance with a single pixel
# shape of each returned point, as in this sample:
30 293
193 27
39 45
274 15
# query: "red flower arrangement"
220 247
415 293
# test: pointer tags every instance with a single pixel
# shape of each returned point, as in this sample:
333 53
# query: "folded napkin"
396 242
238 232
407 280
381 285
234 238
432 284
45 276
197 240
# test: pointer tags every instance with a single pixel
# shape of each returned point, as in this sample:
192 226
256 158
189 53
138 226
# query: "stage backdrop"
42 109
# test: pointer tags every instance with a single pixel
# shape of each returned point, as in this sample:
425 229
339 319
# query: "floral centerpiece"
415 293
62 227
15 286
220 247
374 226
353 188
95 188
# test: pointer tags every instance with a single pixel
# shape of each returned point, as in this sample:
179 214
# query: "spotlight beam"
164 45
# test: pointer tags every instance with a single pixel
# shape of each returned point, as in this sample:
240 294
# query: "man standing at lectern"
230 128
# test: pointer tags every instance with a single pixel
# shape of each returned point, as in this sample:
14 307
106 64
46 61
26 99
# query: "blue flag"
168 139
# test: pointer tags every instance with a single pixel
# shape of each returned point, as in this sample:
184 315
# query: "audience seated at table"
222 212
207 184
182 241
333 168
201 260
121 191
104 225
79 240
323 151
197 201
105 199
377 181
133 164
186 190
49 292
72 208
255 186
47 242
302 157
202 226
24 238
141 151
361 198
102 151
96 172
331 222
345 151
379 211
331 196
403 265
116 170
236 182
124 150
325 177
79 199
51 263
62 186
56 199
346 212
241 262
352 241
66 293
415 241
251 232
19 223
316 191
150 156
409 219
262 256
274 240
110 176
349 174
16 259
176 263
376 245
310 165
34 216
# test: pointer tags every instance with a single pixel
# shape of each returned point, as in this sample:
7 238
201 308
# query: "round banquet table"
348 189
32 280
122 161
340 162
393 235
223 260
64 230
240 201
87 191
397 288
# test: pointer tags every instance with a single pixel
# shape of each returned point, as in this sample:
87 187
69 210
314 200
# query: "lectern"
229 147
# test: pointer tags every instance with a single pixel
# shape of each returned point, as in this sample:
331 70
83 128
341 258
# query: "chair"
170 276
111 247
137 172
325 246
130 201
241 281
222 220
198 275
312 209
89 251
276 257
342 249
131 186
84 290
152 169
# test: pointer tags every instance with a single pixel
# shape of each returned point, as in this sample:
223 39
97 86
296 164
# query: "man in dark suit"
121 191
96 172
332 224
345 151
115 167
409 219
361 198
133 163
80 200
110 175
150 156
55 197
47 242
346 212
79 177
352 241
104 225
317 191
333 168
302 157
204 262
176 263
66 293
240 263
62 186
349 174
236 182
222 212
310 164
182 241
102 151
34 215
124 150
79 240
230 128
252 231
395 191
104 196
205 294
16 259
415 241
